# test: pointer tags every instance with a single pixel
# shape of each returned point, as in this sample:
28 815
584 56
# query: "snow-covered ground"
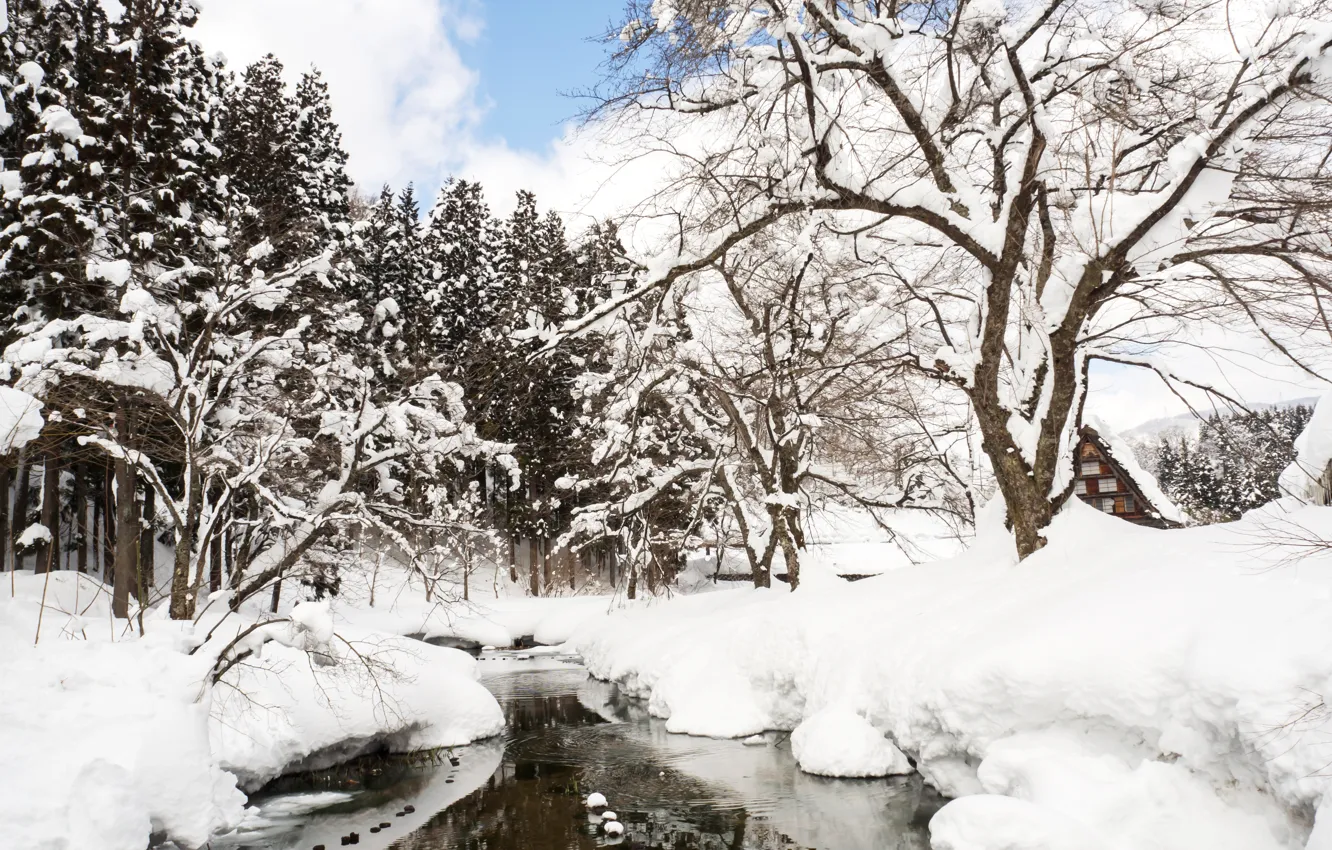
1124 688
108 736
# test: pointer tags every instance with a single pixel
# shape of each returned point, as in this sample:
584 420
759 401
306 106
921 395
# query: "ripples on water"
568 736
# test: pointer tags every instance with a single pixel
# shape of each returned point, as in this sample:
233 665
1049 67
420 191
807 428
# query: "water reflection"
568 736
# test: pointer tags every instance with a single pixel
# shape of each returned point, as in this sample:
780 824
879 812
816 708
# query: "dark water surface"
568 736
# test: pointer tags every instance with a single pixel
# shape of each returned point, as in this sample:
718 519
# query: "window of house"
1109 485
1108 506
1129 506
1091 467
1080 487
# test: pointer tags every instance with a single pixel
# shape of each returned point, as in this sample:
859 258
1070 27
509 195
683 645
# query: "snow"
20 419
32 534
1313 452
840 742
117 736
314 618
1124 687
596 800
114 272
286 711
58 120
1144 480
31 73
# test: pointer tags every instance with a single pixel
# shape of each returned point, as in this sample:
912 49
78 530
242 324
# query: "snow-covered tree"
260 159
782 368
320 161
1055 182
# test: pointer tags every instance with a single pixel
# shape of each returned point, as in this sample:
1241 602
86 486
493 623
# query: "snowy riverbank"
117 736
1124 688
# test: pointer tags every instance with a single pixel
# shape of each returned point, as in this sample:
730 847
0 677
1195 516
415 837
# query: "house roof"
1140 480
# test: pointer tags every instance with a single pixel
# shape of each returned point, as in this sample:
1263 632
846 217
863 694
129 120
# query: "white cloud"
1236 362
409 107
405 100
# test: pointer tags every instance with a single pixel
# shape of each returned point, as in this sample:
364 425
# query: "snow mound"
841 742
385 691
1135 686
1005 823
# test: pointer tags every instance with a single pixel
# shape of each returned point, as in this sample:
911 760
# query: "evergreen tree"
49 215
163 101
1232 466
322 184
460 287
259 157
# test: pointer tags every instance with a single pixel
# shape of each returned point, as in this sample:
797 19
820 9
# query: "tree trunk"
1025 498
95 540
19 516
228 548
533 576
513 560
127 541
182 592
147 557
48 551
80 504
108 539
544 545
790 554
215 564
5 476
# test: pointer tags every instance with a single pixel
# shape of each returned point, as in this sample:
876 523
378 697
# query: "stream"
569 735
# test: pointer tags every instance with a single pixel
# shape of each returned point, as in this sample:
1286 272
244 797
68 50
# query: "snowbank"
107 737
840 742
284 713
101 741
1303 479
1126 687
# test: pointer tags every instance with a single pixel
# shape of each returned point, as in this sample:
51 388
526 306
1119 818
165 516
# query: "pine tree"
259 157
49 216
163 102
460 287
322 184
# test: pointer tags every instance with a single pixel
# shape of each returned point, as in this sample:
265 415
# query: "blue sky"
425 89
528 53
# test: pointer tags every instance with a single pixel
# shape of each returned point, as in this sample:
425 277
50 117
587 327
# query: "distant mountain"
1185 424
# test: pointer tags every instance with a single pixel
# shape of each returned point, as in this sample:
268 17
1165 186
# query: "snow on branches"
1048 182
